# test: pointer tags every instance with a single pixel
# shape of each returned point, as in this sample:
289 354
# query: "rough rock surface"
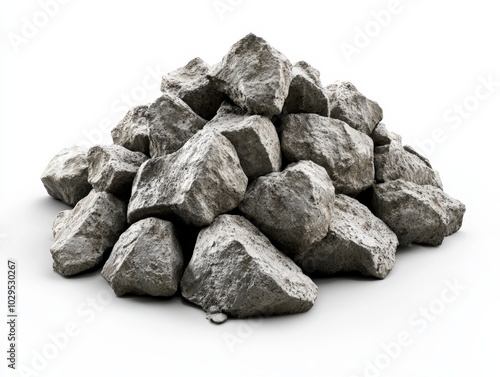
235 270
65 177
253 136
417 214
255 76
411 150
356 241
133 130
349 105
146 260
196 184
171 124
112 168
294 208
346 154
306 94
382 136
192 85
392 162
85 235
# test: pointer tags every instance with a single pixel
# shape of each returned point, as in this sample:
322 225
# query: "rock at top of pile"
255 76
382 136
132 132
346 154
192 85
197 183
65 177
235 270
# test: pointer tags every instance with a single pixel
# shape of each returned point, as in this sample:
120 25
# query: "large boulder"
132 132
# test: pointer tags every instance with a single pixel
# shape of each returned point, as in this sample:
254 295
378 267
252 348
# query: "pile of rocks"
238 183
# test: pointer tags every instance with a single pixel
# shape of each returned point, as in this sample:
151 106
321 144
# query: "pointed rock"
133 131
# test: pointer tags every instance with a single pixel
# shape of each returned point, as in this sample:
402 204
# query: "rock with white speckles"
133 130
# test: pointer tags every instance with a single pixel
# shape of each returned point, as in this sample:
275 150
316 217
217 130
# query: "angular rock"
112 168
306 94
65 177
356 241
85 235
393 162
146 260
197 183
133 131
58 224
255 76
382 136
192 85
346 154
236 271
293 208
171 124
253 136
416 213
410 149
352 107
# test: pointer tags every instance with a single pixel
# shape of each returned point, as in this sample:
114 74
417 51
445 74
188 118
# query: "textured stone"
255 76
65 177
411 150
146 260
352 107
192 85
85 235
112 168
236 271
417 214
196 184
392 162
356 241
171 124
346 154
382 136
133 130
306 94
253 136
293 208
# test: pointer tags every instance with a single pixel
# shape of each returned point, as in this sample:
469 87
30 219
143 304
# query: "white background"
73 78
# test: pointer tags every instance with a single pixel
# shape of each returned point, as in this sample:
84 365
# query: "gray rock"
253 136
382 136
146 260
410 149
356 241
192 85
58 224
112 168
417 214
352 107
306 94
197 183
293 208
392 162
171 124
255 76
133 130
65 177
346 154
85 235
236 271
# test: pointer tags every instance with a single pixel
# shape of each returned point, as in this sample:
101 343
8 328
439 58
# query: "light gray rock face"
255 76
235 270
65 177
293 208
112 168
146 260
392 162
417 214
197 183
410 149
58 224
352 107
346 154
306 94
171 124
382 136
133 130
356 241
85 235
253 136
192 85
